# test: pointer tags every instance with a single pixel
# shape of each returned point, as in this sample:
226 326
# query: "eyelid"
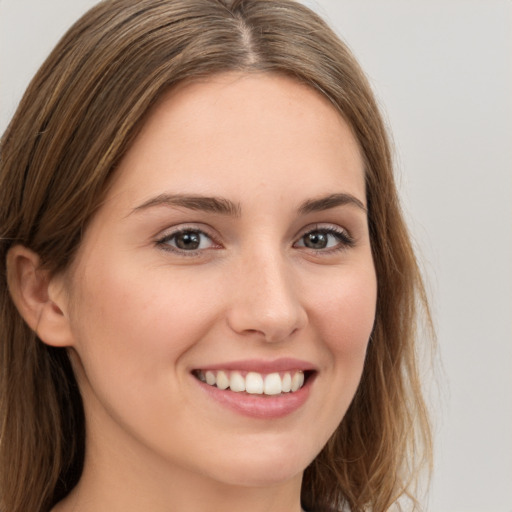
163 237
346 240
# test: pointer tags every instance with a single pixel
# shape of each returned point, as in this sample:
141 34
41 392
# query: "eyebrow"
201 203
224 206
330 201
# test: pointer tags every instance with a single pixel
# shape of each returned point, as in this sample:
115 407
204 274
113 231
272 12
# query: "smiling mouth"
254 383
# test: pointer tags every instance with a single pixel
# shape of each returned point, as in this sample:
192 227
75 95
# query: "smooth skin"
163 285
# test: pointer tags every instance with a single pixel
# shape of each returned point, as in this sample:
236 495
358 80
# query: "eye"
186 240
325 239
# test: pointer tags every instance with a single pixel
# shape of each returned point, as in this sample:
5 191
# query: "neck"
116 481
90 497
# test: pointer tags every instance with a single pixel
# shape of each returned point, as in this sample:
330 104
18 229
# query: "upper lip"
262 366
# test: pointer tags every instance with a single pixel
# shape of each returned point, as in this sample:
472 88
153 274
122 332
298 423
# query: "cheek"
132 330
134 322
343 317
347 313
346 317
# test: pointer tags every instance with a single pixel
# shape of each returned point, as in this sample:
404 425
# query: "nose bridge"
267 299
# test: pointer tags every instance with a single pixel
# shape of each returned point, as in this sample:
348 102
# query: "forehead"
234 130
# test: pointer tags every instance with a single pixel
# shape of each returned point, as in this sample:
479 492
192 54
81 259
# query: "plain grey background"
442 70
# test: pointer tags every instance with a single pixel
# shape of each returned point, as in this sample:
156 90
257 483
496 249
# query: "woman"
209 294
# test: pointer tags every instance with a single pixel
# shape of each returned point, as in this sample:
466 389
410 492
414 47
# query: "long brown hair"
72 127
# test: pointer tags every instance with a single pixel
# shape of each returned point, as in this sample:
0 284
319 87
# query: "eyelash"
164 241
345 241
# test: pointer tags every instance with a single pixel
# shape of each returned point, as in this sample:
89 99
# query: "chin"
264 467
255 475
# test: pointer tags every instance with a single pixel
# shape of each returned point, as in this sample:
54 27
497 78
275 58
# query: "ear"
41 299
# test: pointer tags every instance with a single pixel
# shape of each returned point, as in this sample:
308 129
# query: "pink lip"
261 406
261 366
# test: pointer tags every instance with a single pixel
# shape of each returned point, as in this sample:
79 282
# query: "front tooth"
222 380
297 381
210 378
236 382
272 384
254 383
286 385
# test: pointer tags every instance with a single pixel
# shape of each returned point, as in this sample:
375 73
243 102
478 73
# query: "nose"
266 300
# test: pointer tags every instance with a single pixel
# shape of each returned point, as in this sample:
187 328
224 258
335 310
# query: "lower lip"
259 406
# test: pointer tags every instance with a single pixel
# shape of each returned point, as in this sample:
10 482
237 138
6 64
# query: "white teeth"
236 382
254 383
222 380
286 385
272 384
297 381
210 378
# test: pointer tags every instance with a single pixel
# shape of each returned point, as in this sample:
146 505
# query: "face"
232 252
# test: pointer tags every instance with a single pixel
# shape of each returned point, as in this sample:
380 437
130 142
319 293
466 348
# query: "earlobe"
39 297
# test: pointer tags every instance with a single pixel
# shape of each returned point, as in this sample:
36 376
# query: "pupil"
188 240
316 240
